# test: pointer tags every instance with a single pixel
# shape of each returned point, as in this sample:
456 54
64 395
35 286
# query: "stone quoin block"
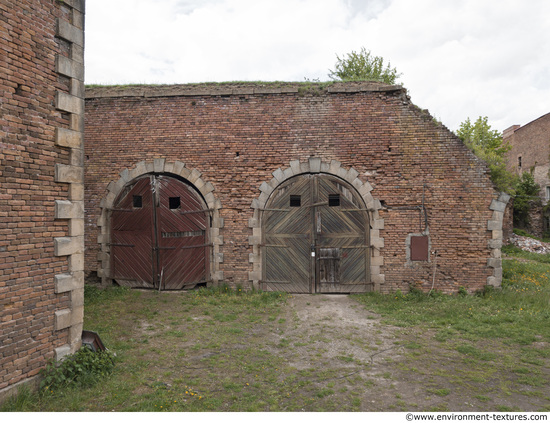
69 103
70 68
68 138
70 32
69 174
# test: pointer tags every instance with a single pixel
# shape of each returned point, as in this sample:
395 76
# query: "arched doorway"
315 230
159 236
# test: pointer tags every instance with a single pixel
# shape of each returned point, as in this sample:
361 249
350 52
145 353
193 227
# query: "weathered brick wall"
531 142
423 178
36 90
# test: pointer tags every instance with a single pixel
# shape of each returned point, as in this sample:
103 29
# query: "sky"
458 58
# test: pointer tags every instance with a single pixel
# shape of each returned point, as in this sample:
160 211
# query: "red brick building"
41 185
341 187
531 152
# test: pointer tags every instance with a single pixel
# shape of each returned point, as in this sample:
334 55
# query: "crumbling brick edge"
316 165
159 166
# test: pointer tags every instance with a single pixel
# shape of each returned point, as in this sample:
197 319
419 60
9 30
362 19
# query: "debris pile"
529 244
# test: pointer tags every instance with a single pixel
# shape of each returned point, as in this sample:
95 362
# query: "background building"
530 152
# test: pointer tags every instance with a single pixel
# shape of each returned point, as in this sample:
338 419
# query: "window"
295 200
519 162
174 203
137 201
548 193
334 200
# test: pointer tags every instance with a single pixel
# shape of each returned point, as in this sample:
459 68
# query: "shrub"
83 368
363 66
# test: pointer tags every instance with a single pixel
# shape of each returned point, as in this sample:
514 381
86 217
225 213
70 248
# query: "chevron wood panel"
161 239
300 220
131 237
182 239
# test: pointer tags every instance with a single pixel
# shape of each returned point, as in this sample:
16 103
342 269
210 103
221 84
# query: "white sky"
459 58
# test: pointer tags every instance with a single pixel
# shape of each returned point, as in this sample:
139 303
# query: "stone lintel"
495 263
494 225
68 282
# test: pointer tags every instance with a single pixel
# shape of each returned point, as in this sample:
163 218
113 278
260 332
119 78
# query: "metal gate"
315 237
159 235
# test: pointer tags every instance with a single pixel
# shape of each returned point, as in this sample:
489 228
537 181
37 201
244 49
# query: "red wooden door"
131 236
159 235
181 233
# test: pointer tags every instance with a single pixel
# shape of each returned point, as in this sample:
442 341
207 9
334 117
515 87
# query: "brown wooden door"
159 235
315 237
288 237
341 238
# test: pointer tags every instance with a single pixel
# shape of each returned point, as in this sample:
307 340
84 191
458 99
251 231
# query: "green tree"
488 145
527 191
363 66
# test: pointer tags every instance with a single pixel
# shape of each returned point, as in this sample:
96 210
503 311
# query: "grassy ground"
502 337
223 350
519 314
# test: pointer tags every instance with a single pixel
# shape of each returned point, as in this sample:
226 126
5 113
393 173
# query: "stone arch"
316 165
160 166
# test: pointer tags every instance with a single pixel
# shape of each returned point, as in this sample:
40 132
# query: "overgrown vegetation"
363 66
527 191
82 369
487 144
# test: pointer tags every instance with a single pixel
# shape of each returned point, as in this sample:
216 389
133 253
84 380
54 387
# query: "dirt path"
391 368
335 332
340 328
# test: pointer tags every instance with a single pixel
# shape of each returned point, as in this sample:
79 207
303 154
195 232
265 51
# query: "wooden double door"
159 235
315 237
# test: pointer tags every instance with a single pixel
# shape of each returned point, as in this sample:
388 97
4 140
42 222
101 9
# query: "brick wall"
421 178
531 142
41 122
